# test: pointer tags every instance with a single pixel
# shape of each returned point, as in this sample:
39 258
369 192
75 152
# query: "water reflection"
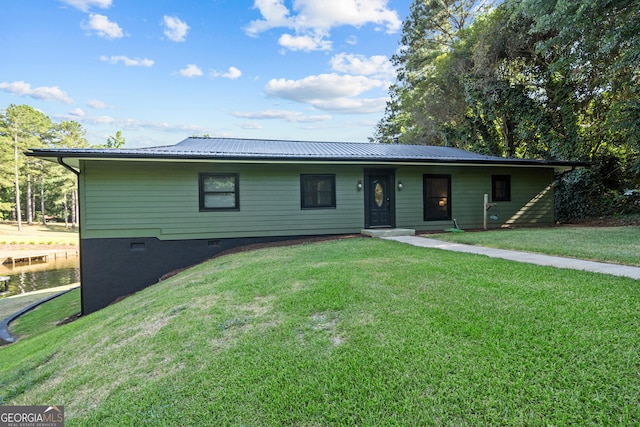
45 275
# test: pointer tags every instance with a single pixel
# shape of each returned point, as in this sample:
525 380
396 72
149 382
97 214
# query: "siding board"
139 199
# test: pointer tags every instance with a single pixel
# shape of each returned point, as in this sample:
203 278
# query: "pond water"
38 276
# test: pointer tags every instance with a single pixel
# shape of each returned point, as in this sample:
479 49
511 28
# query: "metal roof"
199 148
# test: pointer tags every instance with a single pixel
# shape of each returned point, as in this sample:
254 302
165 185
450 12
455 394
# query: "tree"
23 125
547 79
68 134
422 98
116 141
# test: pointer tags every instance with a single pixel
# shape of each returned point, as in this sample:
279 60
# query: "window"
437 197
317 191
219 192
501 188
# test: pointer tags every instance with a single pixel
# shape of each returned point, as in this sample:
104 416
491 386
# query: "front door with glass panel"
379 200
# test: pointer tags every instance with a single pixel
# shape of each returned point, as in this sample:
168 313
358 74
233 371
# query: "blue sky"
160 71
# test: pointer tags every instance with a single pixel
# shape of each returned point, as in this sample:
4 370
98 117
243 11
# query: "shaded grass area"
351 332
8 306
46 316
620 245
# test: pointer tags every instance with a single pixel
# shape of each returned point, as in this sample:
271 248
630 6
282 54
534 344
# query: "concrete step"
388 232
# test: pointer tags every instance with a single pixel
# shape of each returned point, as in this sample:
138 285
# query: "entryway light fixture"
400 185
359 186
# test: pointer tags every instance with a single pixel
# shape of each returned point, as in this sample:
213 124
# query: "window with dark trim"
317 191
501 188
437 197
219 192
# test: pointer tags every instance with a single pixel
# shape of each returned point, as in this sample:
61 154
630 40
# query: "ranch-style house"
146 212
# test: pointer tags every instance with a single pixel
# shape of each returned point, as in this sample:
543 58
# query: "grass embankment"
46 317
619 245
351 332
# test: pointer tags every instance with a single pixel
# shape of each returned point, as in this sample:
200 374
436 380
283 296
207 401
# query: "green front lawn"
619 245
349 332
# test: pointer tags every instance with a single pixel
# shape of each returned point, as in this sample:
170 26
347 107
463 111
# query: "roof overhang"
72 159
261 151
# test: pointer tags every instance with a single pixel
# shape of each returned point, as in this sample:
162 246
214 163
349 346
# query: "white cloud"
251 125
323 86
352 105
129 62
306 43
103 27
275 14
232 74
377 65
175 29
356 13
191 70
133 124
320 16
77 112
43 93
92 120
330 92
96 104
84 5
289 116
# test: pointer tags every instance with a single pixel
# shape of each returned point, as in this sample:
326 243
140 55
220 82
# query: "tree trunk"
29 198
66 210
74 208
508 137
17 177
44 221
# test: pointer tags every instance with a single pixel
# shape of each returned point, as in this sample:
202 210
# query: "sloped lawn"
343 333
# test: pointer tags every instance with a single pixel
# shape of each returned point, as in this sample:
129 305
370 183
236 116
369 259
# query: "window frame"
202 193
494 181
309 176
425 206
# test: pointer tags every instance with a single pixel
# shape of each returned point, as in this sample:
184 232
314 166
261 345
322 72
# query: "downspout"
66 166
77 174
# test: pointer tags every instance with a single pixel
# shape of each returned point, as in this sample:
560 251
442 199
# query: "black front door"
379 200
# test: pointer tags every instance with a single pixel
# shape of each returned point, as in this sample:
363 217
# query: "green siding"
131 199
160 199
531 197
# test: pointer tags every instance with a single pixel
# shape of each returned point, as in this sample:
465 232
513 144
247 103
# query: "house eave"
73 159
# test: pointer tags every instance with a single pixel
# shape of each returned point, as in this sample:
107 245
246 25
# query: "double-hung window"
317 191
219 192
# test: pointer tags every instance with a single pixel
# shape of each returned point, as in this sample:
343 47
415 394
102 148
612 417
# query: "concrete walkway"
527 257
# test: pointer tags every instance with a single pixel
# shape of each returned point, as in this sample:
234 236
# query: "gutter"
66 166
190 156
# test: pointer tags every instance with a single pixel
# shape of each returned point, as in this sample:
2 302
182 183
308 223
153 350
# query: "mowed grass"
619 245
46 316
37 234
349 332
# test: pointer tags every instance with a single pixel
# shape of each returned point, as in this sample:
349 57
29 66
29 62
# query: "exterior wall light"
359 186
400 185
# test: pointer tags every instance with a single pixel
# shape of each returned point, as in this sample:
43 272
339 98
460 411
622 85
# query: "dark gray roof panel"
257 148
261 149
